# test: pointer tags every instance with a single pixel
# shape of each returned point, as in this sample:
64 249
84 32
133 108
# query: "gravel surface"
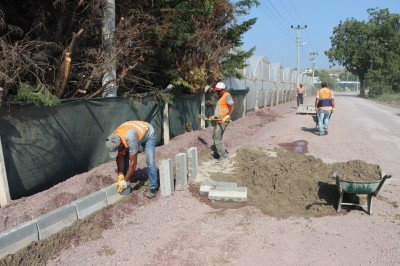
186 229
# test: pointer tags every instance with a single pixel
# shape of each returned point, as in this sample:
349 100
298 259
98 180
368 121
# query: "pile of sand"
282 183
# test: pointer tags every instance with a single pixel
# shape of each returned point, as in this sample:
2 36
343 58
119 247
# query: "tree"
55 46
195 40
325 77
364 48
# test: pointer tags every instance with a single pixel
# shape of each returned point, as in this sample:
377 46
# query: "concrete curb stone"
54 221
90 203
18 237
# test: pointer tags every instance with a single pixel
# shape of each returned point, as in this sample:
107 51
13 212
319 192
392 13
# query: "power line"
277 12
278 17
295 11
301 20
277 22
287 11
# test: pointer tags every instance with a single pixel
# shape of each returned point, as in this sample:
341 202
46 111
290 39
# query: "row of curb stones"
54 221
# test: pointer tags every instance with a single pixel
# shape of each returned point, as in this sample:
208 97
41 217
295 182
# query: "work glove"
120 178
226 119
122 185
213 117
333 110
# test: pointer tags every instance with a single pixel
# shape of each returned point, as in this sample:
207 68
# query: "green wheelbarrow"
369 188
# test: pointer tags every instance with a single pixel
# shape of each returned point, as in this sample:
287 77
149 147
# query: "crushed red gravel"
25 209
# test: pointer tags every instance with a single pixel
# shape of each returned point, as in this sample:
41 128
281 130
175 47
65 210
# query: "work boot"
151 193
326 131
321 133
214 155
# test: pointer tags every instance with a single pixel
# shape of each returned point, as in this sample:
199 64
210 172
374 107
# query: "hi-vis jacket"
139 126
224 105
325 98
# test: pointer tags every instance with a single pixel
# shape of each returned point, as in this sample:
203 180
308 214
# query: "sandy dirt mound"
283 184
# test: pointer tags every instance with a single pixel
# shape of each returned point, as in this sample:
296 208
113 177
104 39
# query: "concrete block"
208 185
166 177
181 171
238 194
54 221
90 203
112 194
18 237
193 163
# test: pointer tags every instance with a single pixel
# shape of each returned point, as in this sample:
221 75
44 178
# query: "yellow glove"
213 117
333 110
226 119
122 185
120 178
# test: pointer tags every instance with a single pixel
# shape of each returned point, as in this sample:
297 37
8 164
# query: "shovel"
206 118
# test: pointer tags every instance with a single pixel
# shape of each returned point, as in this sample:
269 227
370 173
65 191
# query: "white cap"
220 86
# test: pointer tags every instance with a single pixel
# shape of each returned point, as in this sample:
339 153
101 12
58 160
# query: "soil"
283 183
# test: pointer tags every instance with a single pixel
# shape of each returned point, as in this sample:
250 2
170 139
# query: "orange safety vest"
325 97
139 126
223 107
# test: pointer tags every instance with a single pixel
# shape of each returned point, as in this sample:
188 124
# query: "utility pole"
313 56
298 41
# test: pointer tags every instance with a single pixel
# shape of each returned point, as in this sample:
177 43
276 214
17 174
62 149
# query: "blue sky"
274 38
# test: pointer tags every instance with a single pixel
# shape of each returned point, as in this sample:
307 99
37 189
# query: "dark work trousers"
300 98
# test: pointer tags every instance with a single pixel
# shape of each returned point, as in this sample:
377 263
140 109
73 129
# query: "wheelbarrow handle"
384 177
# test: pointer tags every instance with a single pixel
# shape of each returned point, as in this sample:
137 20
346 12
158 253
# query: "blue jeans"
323 120
150 152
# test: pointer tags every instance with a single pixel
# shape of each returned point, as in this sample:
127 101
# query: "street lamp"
299 43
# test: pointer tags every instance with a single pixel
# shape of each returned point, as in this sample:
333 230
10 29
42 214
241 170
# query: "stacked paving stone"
223 191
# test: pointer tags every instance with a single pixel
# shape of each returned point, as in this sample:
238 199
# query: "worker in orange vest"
123 144
222 116
300 95
325 106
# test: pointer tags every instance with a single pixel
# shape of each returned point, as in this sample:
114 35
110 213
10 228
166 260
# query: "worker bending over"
123 145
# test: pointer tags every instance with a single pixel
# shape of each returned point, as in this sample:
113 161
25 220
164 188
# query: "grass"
389 97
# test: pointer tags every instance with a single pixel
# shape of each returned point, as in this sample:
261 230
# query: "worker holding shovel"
123 145
221 117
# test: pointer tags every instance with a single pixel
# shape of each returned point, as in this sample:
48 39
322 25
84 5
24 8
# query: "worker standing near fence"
222 116
123 144
325 106
300 95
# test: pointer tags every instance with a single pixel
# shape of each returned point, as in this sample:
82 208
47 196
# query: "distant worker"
300 95
222 116
123 145
325 106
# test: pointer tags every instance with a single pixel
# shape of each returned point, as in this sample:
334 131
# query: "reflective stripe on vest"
325 97
223 107
139 126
